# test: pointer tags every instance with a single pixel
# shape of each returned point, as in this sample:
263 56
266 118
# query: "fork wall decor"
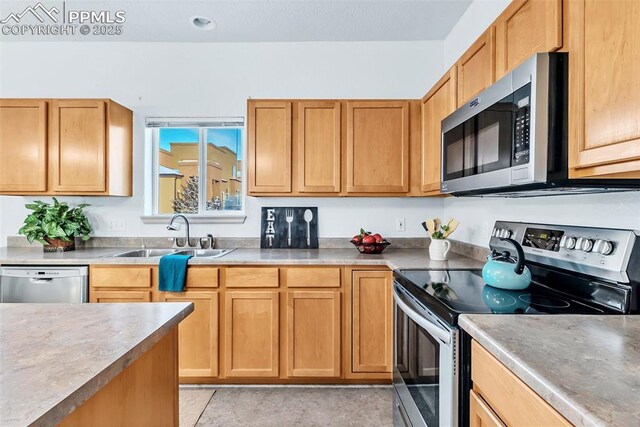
293 227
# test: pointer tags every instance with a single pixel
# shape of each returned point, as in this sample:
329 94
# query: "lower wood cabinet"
372 321
313 333
120 296
251 334
197 334
480 414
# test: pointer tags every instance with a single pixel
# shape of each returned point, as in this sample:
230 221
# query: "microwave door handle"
441 334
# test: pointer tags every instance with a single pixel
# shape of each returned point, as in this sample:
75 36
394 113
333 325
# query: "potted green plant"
56 225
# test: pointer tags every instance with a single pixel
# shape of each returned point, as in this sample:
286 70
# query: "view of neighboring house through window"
197 168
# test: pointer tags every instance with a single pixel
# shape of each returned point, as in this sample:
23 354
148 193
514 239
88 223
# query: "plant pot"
439 249
58 245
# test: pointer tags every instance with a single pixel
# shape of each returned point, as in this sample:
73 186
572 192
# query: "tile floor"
286 406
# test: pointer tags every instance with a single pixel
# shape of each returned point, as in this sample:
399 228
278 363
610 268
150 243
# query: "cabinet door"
197 334
269 146
476 68
119 296
78 145
378 147
372 321
480 414
319 146
604 112
23 145
524 28
313 329
251 334
436 105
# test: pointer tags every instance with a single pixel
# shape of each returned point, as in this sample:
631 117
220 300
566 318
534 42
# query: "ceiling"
250 20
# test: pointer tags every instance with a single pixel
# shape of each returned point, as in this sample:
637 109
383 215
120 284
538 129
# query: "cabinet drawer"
120 296
121 277
481 414
202 277
314 277
252 277
512 400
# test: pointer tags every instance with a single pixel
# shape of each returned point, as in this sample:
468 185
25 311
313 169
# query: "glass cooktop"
451 292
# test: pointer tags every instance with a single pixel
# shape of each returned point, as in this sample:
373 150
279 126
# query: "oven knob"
584 244
505 234
495 232
568 242
603 247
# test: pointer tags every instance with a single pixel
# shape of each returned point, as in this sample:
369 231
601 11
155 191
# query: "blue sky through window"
230 138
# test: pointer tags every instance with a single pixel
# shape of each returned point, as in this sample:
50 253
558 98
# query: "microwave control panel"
521 125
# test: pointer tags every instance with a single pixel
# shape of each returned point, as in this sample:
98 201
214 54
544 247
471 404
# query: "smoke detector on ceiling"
203 23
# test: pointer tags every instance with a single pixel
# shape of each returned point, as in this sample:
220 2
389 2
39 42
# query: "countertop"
56 356
392 258
587 367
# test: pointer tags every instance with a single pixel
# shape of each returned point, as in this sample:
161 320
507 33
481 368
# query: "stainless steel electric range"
575 270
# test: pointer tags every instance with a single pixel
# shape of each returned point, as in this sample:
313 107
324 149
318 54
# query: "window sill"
231 218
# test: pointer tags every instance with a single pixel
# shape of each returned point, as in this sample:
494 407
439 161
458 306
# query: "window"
196 166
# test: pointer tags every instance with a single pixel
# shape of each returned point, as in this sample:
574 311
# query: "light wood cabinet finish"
476 67
437 104
23 145
119 296
378 146
251 334
313 334
269 146
198 333
511 399
604 113
372 322
524 28
201 277
480 414
252 277
313 277
120 277
319 146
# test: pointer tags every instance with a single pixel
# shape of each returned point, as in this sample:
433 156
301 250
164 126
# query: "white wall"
181 79
477 215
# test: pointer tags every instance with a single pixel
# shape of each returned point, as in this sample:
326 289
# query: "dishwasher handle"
43 272
41 279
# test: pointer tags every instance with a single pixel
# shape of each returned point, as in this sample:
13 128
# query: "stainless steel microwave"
511 139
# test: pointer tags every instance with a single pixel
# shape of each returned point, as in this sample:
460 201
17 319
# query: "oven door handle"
441 334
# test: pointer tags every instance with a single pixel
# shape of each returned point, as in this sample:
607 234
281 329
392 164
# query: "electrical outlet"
400 224
117 225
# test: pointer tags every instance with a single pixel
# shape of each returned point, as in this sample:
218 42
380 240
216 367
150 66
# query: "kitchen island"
584 366
89 364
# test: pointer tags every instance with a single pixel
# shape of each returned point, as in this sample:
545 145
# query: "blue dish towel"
173 272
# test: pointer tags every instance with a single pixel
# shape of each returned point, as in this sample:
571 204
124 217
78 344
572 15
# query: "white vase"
439 249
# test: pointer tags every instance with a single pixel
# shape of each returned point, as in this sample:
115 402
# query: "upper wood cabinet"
23 145
269 143
524 28
378 146
604 112
67 146
436 105
319 146
476 67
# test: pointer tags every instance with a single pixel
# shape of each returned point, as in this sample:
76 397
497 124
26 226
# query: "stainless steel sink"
206 253
146 253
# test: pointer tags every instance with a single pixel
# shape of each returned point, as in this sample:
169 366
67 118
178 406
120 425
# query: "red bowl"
372 248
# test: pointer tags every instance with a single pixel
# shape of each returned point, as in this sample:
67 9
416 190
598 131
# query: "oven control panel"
602 252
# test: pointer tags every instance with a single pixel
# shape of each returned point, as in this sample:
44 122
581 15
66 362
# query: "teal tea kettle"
505 272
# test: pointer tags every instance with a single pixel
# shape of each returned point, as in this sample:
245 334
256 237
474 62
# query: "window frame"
152 168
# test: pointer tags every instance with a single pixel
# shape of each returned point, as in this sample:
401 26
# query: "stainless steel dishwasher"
42 284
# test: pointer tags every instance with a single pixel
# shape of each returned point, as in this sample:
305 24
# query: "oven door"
425 365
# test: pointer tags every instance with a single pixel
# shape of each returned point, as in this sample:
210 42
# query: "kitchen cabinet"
251 334
437 104
269 146
476 67
524 28
115 276
604 49
23 145
319 146
73 147
506 396
197 334
313 334
372 321
377 147
119 296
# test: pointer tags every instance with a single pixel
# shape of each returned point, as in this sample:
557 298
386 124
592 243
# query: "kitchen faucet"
171 227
